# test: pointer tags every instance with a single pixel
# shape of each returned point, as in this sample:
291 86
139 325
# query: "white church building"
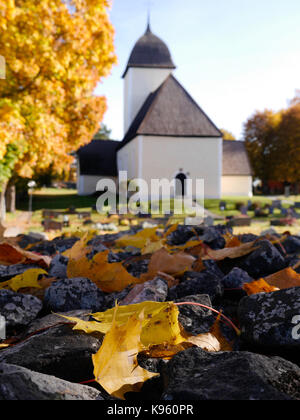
166 133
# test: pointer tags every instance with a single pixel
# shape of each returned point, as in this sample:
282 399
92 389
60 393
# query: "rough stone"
59 351
20 384
195 319
155 290
18 309
263 261
197 375
71 294
266 319
292 244
236 279
193 283
58 267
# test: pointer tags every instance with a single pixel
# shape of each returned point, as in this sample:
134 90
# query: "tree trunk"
10 197
2 203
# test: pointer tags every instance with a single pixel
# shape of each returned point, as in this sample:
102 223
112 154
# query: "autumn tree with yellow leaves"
56 51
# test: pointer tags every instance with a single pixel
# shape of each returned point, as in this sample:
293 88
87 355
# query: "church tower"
149 65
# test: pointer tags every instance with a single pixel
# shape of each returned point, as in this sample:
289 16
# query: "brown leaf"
12 254
259 286
284 279
236 252
174 264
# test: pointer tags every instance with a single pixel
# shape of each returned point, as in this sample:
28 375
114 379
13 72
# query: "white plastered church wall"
162 157
138 84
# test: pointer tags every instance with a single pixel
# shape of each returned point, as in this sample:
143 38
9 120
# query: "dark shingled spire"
151 52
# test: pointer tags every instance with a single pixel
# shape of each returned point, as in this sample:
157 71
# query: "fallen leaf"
259 286
284 279
206 341
160 322
109 277
236 252
174 264
80 248
166 351
4 346
116 367
151 247
231 241
27 279
12 254
139 240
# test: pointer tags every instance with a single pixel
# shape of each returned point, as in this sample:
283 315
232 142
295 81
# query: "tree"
288 168
261 140
56 52
227 135
104 133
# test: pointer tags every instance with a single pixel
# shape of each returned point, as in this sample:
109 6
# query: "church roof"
171 111
235 159
98 158
150 51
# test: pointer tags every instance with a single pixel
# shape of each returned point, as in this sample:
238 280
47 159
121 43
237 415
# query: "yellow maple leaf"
115 365
80 248
28 279
138 240
109 277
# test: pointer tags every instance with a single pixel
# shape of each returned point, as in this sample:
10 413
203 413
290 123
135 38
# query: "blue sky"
233 56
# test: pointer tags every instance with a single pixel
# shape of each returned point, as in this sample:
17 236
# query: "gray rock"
266 319
197 283
292 244
58 267
20 384
18 309
195 319
59 351
52 320
236 279
197 375
155 290
40 236
263 261
72 294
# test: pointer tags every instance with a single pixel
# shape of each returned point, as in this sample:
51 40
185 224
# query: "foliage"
260 134
104 133
227 135
56 52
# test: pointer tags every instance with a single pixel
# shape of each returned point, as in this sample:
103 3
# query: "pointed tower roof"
171 112
150 51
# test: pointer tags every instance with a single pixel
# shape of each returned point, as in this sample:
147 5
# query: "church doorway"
180 180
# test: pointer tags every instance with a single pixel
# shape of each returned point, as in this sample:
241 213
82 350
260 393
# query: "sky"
233 56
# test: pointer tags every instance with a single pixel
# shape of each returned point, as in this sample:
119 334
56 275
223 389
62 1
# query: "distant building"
167 134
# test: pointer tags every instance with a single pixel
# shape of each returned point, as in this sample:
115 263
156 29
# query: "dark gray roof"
98 158
171 111
150 51
235 158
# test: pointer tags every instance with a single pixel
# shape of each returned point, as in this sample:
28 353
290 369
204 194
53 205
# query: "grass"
62 199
